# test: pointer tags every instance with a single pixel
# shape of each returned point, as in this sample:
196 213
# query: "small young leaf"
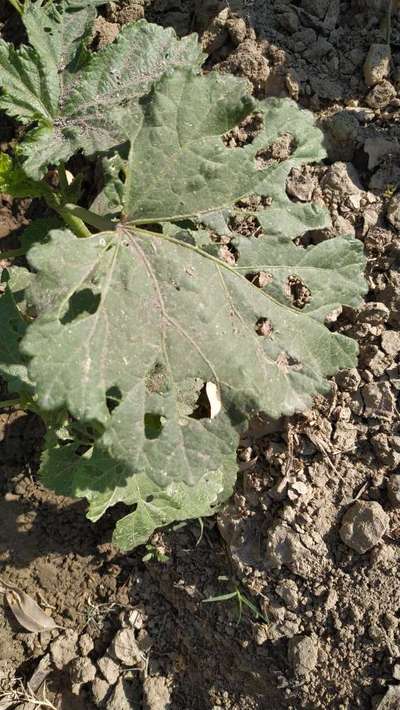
15 182
13 326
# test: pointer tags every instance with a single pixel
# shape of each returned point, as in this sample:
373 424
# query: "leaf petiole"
17 6
6 403
12 253
95 220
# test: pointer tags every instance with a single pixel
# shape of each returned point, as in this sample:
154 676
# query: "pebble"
86 644
378 400
381 95
393 489
391 699
393 212
342 131
126 649
156 693
377 64
82 670
303 654
109 669
63 649
391 342
122 697
363 525
99 689
237 29
348 380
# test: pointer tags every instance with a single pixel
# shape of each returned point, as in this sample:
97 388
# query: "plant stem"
78 227
17 6
10 403
12 253
95 220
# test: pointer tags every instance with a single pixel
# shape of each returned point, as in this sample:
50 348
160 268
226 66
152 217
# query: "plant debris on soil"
310 540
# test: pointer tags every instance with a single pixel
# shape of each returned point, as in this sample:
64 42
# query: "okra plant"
147 326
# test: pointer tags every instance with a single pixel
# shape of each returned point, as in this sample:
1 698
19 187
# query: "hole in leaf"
122 175
156 379
149 499
281 149
152 425
264 327
113 398
300 184
286 362
297 291
81 304
245 133
246 225
228 253
261 279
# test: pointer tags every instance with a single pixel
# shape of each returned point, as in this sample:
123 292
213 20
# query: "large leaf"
131 322
124 308
81 104
186 169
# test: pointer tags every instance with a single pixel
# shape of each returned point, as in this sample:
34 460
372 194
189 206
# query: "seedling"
146 329
154 554
242 601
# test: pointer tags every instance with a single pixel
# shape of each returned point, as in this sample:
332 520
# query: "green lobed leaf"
124 307
77 103
101 480
131 323
182 130
15 182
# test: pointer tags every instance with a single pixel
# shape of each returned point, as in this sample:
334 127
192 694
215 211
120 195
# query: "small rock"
381 95
63 649
343 179
104 32
100 690
377 64
391 700
391 342
378 400
373 312
348 380
284 547
86 644
387 449
237 29
363 525
396 672
82 670
303 654
123 697
342 133
301 186
289 592
393 489
156 693
393 212
126 649
130 12
109 669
